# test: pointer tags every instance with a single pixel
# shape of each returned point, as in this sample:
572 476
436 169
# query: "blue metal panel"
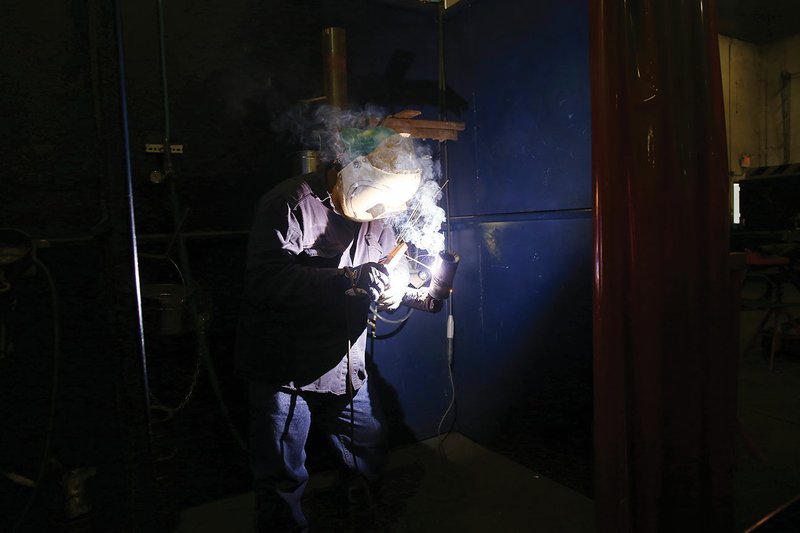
523 310
520 195
522 305
523 66
412 368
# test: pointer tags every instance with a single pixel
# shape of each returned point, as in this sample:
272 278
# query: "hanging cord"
180 242
450 336
449 239
51 416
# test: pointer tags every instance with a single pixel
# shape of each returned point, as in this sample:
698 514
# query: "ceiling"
759 21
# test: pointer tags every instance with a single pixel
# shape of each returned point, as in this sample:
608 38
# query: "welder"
313 269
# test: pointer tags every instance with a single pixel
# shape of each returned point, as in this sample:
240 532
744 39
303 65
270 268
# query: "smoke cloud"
421 223
320 128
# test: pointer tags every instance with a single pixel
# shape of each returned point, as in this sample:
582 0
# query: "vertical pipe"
163 59
304 161
444 162
729 117
786 115
137 284
164 89
334 66
765 107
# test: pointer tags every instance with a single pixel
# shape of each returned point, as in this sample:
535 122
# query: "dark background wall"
520 195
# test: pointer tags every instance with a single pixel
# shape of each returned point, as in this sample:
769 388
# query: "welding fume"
326 248
368 191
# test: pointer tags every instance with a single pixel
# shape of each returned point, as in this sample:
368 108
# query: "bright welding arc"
417 261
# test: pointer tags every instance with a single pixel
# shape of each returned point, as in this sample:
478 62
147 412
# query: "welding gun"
442 274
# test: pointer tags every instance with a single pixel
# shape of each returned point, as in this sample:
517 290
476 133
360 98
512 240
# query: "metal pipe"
137 285
199 325
164 85
304 161
786 112
334 66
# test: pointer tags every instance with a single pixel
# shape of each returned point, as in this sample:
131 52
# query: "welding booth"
584 195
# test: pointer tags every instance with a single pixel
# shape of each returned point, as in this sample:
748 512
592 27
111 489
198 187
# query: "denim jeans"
279 425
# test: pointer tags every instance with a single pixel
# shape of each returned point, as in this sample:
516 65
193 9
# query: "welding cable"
451 405
374 310
391 334
51 416
401 323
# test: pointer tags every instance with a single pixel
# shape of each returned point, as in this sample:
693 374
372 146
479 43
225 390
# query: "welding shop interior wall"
518 203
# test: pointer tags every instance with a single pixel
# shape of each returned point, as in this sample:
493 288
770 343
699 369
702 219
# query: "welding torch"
443 272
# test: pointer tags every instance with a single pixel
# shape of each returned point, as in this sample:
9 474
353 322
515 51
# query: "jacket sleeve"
274 275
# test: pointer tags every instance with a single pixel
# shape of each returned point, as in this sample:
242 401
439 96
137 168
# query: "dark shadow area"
766 475
394 90
546 423
60 389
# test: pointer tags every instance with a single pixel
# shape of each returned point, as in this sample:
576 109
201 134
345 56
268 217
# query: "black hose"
391 320
51 416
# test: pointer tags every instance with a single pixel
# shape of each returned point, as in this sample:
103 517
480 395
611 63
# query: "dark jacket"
296 321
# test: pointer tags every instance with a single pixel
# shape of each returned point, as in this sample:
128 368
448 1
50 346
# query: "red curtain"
664 329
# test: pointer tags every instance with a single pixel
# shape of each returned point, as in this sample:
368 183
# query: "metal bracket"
152 148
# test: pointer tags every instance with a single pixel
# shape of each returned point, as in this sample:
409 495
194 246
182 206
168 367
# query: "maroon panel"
663 330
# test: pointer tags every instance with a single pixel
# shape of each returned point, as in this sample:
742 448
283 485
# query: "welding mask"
378 184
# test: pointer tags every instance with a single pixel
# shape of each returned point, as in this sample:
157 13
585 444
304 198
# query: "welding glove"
369 279
392 297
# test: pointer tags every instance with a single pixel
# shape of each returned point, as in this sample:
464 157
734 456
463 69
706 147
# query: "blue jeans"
279 426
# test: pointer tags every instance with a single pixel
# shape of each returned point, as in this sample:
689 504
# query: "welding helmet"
378 184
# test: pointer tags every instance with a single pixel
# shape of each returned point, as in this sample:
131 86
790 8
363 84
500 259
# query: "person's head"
380 183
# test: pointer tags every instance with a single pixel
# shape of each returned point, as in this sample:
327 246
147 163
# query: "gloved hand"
392 297
370 279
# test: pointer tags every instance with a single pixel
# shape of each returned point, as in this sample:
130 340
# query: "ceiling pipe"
334 65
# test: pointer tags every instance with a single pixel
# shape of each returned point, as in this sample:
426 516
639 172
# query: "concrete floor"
462 486
768 461
459 486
